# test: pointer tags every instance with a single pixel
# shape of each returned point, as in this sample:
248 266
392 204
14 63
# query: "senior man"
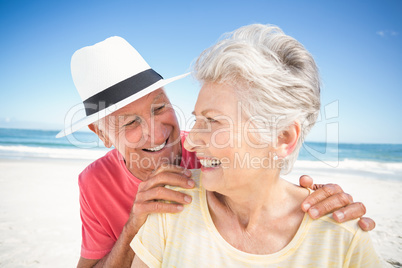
128 109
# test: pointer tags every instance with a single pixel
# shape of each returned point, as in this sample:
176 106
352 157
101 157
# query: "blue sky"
356 44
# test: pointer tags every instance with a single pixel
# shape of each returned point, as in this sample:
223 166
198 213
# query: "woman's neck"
270 207
261 199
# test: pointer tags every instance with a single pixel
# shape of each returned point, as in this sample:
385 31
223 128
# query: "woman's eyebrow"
204 112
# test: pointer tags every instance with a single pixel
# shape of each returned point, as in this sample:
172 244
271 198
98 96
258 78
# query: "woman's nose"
196 138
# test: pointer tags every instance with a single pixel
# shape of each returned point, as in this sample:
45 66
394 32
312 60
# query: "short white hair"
274 77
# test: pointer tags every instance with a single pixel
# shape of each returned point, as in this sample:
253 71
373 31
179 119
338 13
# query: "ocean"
28 143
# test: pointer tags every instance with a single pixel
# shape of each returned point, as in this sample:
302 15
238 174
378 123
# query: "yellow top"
190 239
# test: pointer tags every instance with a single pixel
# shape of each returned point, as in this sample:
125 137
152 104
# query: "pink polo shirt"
107 193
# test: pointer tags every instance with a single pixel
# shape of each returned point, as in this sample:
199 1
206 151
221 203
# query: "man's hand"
152 194
149 199
331 198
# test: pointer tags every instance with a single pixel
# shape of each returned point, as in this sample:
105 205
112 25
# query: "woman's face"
222 140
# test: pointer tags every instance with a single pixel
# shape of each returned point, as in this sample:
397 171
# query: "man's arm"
331 198
120 256
149 199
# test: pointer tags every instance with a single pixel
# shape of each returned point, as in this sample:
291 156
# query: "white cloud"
5 119
384 33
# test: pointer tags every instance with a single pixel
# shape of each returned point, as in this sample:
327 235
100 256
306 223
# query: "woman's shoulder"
350 227
295 195
193 212
346 233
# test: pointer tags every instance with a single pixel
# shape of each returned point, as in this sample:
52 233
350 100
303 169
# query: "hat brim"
107 111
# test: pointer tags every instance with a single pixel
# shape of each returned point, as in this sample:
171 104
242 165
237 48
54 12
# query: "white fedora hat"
108 76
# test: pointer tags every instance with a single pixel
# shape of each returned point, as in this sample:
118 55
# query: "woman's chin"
211 178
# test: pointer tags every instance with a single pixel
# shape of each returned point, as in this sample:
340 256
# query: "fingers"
162 193
154 197
170 168
320 195
152 194
355 211
366 224
350 212
331 198
145 208
173 176
325 200
141 210
306 181
317 186
153 189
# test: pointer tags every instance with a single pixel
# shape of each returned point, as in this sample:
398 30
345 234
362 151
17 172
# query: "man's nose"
154 130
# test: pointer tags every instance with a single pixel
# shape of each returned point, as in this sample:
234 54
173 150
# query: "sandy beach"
39 221
39 209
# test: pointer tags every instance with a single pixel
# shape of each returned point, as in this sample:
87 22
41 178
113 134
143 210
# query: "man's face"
145 132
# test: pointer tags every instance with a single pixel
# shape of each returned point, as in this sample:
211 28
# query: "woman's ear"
287 140
104 138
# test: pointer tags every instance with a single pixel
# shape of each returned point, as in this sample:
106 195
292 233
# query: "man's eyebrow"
153 101
157 97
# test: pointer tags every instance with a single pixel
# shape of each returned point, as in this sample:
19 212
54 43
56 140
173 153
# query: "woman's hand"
331 198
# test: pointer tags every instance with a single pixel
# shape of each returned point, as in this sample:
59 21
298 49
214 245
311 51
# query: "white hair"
273 75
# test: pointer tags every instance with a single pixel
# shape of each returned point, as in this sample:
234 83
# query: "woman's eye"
211 120
208 119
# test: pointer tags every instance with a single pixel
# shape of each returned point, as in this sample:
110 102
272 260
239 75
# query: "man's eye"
136 120
157 109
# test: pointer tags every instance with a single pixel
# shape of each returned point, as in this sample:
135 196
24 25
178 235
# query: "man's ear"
287 140
102 136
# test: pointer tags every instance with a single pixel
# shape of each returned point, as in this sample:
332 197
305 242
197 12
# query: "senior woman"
260 96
